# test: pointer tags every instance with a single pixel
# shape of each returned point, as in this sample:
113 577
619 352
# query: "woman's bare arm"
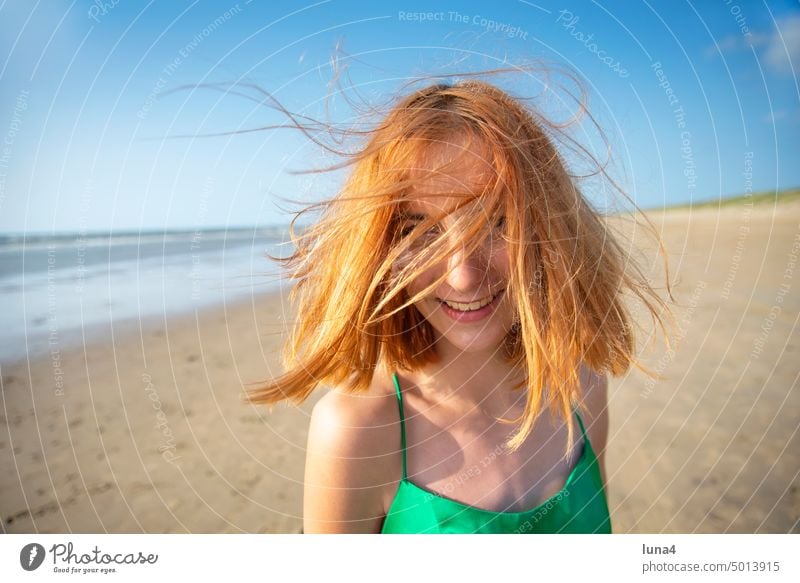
346 466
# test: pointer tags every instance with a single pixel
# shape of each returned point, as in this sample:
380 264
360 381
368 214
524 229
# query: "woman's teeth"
472 306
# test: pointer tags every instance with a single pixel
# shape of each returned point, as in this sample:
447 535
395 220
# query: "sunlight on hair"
568 271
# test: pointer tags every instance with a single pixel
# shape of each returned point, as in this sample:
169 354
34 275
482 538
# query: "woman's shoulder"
361 424
352 457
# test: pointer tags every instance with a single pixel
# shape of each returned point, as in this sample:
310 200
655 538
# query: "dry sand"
145 430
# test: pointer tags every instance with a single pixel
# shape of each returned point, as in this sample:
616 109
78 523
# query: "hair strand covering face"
567 279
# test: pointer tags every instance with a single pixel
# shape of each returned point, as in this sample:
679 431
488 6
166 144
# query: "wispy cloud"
782 53
779 48
783 116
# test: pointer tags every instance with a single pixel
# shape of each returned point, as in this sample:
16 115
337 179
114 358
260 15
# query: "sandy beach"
140 427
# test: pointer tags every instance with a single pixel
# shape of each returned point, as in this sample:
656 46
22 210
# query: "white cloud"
783 116
782 53
779 48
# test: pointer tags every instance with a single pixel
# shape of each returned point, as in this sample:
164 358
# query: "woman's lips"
472 315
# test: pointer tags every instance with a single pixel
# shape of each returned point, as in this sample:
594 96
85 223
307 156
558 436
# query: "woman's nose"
466 272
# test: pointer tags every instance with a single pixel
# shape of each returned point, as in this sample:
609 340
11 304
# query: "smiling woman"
468 286
458 284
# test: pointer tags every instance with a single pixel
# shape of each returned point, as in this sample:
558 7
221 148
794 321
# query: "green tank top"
579 507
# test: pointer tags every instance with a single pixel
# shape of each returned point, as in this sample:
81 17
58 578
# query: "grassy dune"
756 198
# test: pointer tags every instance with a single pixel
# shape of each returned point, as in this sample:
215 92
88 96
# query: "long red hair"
568 279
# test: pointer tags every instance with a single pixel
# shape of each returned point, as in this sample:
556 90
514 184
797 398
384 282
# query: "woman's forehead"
446 174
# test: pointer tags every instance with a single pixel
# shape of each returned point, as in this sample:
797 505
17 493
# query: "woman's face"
469 310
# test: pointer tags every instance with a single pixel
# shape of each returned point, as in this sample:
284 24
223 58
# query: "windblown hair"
567 278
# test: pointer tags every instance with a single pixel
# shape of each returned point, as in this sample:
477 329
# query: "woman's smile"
464 301
471 311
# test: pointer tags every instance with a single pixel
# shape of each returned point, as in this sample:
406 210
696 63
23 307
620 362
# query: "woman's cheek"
500 259
418 284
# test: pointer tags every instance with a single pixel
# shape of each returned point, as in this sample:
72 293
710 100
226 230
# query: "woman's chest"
467 461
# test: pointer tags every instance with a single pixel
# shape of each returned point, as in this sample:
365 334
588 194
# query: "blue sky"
699 100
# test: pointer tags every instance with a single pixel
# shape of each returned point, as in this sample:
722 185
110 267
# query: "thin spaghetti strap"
402 421
580 422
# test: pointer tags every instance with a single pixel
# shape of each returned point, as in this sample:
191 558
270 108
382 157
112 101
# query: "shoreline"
69 338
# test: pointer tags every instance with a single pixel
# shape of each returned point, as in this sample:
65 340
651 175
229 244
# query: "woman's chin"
473 345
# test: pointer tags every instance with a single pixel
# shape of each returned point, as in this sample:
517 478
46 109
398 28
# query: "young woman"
463 301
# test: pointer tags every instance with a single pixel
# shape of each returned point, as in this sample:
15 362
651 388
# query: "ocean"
52 286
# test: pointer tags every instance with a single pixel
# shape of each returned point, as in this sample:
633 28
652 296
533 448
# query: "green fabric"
579 507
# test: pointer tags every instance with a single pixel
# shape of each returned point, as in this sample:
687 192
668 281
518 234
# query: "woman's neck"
467 380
